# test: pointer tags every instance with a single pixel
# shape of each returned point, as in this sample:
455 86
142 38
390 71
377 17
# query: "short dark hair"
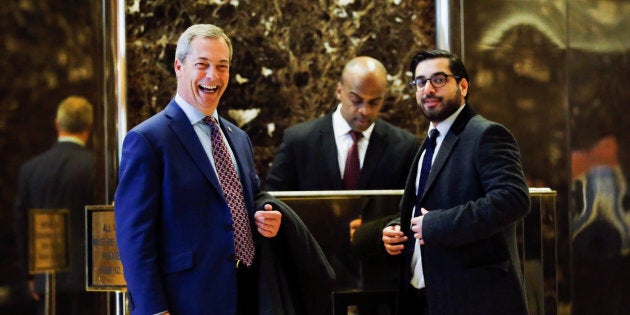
455 64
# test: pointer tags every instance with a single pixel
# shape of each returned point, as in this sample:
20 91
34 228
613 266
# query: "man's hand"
394 240
416 225
354 225
31 288
268 221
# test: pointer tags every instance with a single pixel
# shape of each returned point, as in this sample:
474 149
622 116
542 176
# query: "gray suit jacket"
475 194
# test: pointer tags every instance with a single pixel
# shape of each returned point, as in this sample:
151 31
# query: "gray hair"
199 30
75 114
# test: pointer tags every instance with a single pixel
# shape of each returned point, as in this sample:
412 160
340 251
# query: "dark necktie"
233 192
352 170
426 167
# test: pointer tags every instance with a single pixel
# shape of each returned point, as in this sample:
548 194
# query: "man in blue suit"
457 236
173 206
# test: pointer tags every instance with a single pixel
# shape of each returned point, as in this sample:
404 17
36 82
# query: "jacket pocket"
489 272
175 263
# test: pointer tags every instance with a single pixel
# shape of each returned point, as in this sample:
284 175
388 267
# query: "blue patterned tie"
426 167
233 192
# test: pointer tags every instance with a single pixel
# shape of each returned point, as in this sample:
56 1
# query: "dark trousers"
413 302
247 290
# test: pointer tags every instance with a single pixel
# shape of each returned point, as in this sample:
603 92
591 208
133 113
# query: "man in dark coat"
457 236
61 178
313 156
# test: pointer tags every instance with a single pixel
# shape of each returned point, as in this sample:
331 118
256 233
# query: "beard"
447 107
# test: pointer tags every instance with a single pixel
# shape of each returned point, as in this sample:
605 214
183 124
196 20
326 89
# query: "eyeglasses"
437 80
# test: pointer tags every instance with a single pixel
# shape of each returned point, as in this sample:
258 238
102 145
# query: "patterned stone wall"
288 56
287 60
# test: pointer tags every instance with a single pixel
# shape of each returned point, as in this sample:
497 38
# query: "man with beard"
464 195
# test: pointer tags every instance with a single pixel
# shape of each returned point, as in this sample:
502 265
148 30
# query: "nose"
364 109
428 88
211 72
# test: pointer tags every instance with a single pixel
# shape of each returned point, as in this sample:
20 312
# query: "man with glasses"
457 226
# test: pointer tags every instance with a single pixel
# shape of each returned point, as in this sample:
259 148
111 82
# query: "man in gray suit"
457 236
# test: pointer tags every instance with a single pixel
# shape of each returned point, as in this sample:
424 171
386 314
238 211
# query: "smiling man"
187 224
464 196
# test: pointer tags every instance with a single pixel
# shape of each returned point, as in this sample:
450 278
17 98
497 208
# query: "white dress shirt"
417 274
343 139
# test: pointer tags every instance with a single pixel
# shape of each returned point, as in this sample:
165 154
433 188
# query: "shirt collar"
194 115
444 126
71 139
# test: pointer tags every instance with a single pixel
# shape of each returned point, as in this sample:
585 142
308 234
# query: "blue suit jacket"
173 225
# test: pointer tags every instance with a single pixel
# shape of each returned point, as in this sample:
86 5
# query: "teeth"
208 87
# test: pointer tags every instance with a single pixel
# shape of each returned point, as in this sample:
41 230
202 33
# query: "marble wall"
288 56
552 71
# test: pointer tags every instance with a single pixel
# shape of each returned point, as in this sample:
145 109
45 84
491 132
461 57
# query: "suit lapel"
180 125
377 145
448 144
326 139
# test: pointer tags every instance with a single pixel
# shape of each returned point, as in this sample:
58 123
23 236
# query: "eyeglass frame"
414 83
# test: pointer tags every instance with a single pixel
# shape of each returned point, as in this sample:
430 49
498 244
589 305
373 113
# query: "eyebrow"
208 60
440 72
361 98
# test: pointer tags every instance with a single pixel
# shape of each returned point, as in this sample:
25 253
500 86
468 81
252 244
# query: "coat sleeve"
135 210
296 278
493 183
282 174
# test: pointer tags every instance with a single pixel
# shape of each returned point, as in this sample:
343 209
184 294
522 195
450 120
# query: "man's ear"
463 86
177 66
338 90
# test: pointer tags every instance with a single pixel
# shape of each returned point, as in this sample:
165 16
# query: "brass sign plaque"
48 241
104 268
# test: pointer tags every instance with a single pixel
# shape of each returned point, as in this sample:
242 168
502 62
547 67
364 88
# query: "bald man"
313 155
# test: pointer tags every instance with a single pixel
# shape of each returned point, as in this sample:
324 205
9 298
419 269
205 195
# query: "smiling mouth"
208 88
431 102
